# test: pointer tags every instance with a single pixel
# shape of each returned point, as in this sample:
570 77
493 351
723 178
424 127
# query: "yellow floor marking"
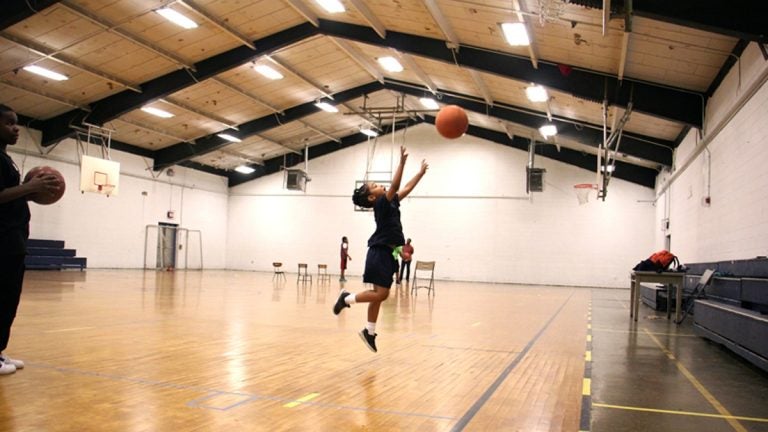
589 326
687 413
588 356
67 329
586 387
608 330
301 400
589 338
699 386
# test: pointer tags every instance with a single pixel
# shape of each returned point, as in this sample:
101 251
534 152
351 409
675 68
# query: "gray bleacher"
734 311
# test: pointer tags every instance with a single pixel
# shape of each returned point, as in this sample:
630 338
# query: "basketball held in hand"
49 196
452 121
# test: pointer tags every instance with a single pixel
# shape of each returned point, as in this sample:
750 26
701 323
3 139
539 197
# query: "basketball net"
582 191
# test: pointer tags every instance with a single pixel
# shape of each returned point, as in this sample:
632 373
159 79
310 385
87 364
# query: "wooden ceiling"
661 60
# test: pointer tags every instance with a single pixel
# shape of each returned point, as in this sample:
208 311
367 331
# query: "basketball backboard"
99 176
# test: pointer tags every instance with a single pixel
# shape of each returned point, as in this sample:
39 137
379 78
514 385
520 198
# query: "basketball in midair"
452 121
48 197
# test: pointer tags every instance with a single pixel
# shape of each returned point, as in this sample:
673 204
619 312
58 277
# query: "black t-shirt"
14 215
389 230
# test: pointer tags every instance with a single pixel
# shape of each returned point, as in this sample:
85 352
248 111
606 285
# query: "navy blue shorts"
380 266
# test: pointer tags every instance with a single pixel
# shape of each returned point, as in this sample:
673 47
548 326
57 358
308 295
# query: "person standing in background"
344 251
405 261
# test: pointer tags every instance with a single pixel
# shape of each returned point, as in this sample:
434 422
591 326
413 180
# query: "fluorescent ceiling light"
331 6
244 169
548 130
429 103
516 34
229 137
177 18
609 168
325 106
268 72
537 93
390 64
45 72
370 132
157 112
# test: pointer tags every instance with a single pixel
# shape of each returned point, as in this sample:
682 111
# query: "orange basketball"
46 198
452 121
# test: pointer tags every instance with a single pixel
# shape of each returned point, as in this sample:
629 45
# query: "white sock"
350 299
371 326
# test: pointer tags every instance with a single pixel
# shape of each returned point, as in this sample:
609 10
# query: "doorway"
166 245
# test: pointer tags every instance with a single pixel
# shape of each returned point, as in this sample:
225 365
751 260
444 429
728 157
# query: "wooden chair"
427 270
277 267
322 273
304 275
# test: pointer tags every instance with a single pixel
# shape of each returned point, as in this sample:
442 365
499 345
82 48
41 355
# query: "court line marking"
585 411
468 349
608 330
475 408
301 400
699 386
200 402
211 392
685 413
67 329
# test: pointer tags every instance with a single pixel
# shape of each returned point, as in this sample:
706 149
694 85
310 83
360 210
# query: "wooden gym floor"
129 350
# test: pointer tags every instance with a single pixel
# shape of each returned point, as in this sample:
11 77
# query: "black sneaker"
340 303
370 341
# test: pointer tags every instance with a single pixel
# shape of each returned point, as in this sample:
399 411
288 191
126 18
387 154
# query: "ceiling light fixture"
325 106
268 72
157 112
177 18
390 64
548 130
331 6
516 34
228 137
369 131
45 72
244 169
537 93
429 103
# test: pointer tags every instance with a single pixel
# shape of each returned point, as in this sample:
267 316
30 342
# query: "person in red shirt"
405 261
344 251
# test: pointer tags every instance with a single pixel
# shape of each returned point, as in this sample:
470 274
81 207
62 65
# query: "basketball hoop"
582 191
106 189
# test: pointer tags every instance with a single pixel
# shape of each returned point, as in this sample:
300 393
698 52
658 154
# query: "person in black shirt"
14 230
380 264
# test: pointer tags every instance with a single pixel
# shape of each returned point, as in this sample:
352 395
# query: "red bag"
660 261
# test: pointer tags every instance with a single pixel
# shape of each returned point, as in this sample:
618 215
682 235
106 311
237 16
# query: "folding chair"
322 273
304 275
424 267
277 267
698 292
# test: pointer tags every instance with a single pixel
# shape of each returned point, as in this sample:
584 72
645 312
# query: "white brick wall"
470 213
110 231
735 225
